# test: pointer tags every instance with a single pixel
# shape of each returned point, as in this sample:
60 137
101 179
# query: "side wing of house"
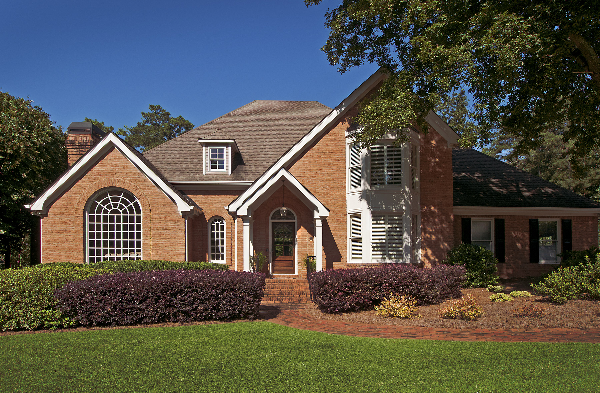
110 204
525 221
352 206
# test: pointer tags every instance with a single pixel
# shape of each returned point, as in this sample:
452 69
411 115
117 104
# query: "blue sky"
200 59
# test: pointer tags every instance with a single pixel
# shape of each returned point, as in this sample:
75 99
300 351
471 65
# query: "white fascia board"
298 189
315 133
89 159
442 128
230 142
524 211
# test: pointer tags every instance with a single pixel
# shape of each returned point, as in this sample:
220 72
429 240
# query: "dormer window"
217 158
218 155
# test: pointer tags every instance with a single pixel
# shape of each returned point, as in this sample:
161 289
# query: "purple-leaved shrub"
162 296
346 290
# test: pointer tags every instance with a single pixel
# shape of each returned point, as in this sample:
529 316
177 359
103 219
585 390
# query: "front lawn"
261 356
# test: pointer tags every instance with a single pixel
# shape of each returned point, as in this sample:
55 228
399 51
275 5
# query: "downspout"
186 239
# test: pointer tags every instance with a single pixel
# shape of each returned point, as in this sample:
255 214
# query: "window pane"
548 230
481 230
486 245
217 240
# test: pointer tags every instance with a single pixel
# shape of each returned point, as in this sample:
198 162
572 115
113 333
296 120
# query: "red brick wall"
516 231
436 186
162 226
322 170
213 204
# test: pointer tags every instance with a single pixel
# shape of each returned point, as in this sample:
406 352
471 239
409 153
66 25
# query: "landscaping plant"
572 282
347 290
146 265
464 308
479 262
162 296
27 295
501 297
398 307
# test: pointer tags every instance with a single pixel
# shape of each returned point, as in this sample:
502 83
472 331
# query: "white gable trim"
442 128
320 211
314 134
41 204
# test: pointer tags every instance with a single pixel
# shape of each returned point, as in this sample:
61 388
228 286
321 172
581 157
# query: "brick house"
281 178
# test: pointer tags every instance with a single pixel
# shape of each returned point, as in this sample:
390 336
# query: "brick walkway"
292 315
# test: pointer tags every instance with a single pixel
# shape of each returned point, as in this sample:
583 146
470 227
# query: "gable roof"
262 131
481 180
323 126
64 182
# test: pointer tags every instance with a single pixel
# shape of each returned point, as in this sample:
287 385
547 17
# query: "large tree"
157 126
32 155
100 125
528 66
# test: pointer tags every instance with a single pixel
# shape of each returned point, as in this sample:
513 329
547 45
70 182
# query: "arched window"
114 227
217 240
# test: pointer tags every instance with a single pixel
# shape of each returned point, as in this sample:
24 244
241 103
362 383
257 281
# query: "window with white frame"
216 159
481 233
548 241
386 166
387 237
356 243
354 167
217 240
114 227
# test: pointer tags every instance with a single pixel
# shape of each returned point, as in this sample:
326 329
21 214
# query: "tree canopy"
100 125
157 126
32 155
527 66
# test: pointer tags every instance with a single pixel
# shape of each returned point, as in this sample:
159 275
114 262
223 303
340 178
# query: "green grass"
261 356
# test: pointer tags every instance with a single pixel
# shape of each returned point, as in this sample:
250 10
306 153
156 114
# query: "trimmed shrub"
27 295
572 282
162 296
481 265
576 258
464 308
346 290
520 294
501 297
398 307
147 265
495 288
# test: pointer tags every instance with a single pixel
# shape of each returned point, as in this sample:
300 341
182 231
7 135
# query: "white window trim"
210 222
351 238
226 156
558 241
491 221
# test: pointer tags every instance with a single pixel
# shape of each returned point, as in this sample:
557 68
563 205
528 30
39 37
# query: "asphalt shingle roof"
480 180
263 132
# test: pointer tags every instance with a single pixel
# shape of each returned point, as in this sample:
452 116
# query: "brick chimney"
81 137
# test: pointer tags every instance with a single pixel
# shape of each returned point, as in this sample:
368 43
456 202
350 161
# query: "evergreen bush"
481 265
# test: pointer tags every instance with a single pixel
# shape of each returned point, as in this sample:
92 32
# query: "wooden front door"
284 239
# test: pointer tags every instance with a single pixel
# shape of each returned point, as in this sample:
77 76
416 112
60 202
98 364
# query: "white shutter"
386 165
355 167
387 237
355 236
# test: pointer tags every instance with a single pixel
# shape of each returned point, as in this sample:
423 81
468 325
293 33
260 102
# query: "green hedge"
127 266
27 295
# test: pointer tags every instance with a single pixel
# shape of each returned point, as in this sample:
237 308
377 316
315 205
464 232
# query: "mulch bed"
575 314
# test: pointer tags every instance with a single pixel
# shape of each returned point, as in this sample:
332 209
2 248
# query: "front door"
284 238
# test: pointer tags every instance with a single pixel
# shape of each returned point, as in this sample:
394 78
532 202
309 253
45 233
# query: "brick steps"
286 290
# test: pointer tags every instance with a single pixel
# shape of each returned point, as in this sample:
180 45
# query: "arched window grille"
114 227
217 240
